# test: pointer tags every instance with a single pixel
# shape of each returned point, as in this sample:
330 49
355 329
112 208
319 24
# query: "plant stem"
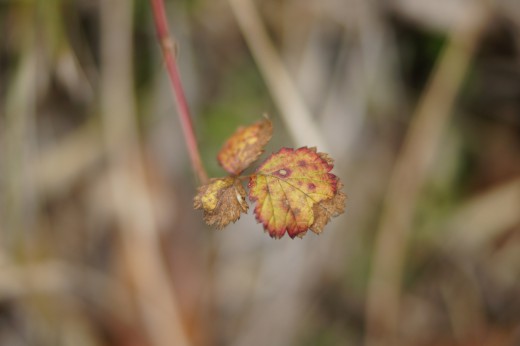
169 49
245 177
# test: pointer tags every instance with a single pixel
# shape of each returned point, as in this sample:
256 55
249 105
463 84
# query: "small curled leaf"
245 146
295 192
222 200
325 210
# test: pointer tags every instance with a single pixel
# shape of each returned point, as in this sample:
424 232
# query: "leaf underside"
245 146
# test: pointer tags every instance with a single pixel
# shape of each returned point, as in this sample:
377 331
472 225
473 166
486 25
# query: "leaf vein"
289 209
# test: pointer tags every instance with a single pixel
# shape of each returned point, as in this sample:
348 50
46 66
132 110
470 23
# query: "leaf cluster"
293 189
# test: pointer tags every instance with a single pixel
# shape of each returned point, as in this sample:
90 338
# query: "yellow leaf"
294 192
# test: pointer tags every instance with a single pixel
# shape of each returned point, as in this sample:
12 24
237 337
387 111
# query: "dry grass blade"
477 221
128 188
59 166
17 143
295 114
409 173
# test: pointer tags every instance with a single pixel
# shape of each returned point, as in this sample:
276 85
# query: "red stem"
168 50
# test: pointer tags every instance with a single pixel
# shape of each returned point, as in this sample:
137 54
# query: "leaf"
223 200
294 192
245 146
327 209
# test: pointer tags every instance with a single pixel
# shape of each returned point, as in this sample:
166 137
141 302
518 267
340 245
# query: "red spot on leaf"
311 186
283 173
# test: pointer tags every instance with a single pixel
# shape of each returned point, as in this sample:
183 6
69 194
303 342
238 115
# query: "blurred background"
418 101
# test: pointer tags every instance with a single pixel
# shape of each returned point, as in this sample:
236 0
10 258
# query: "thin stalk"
169 49
293 110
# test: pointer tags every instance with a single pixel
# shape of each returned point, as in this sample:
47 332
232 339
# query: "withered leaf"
325 210
222 200
245 146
